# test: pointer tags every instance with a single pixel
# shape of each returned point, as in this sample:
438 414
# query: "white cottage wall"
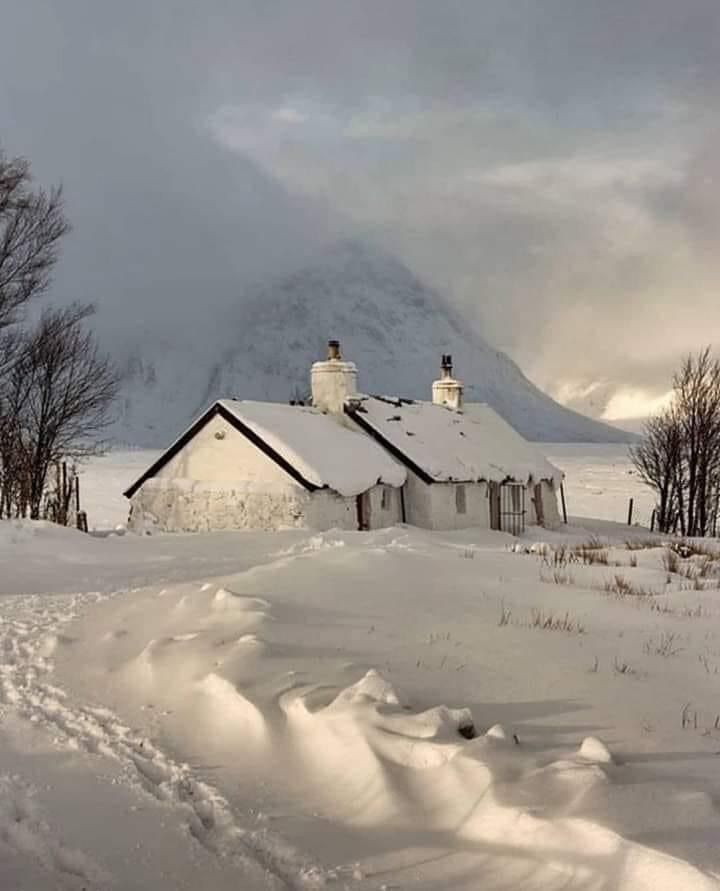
445 513
221 481
418 504
383 507
181 505
220 453
551 510
435 505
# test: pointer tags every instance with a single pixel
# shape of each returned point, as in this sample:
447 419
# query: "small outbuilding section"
466 466
258 465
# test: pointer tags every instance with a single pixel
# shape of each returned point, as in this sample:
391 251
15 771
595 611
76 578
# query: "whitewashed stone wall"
221 481
435 506
178 505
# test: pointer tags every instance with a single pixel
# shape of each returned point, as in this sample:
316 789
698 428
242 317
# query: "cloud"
633 403
551 167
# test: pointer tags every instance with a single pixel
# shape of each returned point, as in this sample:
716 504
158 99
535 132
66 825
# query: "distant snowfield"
600 480
389 710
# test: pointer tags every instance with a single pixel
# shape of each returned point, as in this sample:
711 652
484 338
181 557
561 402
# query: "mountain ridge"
392 325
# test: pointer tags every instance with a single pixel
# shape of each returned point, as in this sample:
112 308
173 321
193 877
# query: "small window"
385 503
460 502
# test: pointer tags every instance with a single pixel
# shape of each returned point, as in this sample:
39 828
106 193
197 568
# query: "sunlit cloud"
630 403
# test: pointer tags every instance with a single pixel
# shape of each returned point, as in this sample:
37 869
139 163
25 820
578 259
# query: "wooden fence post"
630 512
652 520
562 501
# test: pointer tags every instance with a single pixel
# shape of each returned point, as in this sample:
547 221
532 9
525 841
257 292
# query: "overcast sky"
551 165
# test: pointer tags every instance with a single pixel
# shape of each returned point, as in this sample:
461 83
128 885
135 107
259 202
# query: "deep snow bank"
283 678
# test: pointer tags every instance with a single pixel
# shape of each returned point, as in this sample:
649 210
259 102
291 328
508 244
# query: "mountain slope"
394 328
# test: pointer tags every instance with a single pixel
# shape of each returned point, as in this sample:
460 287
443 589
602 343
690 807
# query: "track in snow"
29 632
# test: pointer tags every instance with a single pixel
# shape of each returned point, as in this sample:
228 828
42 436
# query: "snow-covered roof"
323 451
446 445
317 450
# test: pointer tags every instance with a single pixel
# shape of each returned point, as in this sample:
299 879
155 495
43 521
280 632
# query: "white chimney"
447 391
333 381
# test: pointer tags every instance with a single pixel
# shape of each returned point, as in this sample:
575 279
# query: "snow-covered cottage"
263 465
350 461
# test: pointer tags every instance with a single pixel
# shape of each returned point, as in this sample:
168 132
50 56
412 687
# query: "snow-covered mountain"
392 325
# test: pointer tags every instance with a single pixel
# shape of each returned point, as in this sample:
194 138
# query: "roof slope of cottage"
312 447
442 445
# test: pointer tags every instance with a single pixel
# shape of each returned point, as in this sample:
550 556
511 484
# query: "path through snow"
30 631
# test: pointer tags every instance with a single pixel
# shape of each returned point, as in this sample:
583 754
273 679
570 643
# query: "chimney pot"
333 381
447 391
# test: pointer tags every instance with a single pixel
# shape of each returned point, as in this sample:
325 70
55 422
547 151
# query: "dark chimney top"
334 349
446 364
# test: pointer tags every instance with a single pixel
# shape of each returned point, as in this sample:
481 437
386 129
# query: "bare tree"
697 397
62 388
56 387
658 458
679 456
32 222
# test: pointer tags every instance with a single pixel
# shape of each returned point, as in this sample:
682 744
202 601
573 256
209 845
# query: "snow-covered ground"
398 709
600 480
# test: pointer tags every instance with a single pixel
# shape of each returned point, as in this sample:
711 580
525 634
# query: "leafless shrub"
693 612
633 561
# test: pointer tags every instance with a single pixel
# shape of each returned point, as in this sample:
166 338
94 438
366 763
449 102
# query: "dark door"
539 512
494 505
512 508
363 511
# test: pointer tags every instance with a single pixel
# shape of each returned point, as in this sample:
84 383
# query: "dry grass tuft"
621 587
505 615
557 577
591 556
640 544
664 645
686 548
548 621
670 560
622 667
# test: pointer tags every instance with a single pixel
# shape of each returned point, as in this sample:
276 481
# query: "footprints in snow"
29 635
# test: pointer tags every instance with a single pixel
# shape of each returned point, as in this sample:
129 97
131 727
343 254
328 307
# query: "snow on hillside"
392 325
399 709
